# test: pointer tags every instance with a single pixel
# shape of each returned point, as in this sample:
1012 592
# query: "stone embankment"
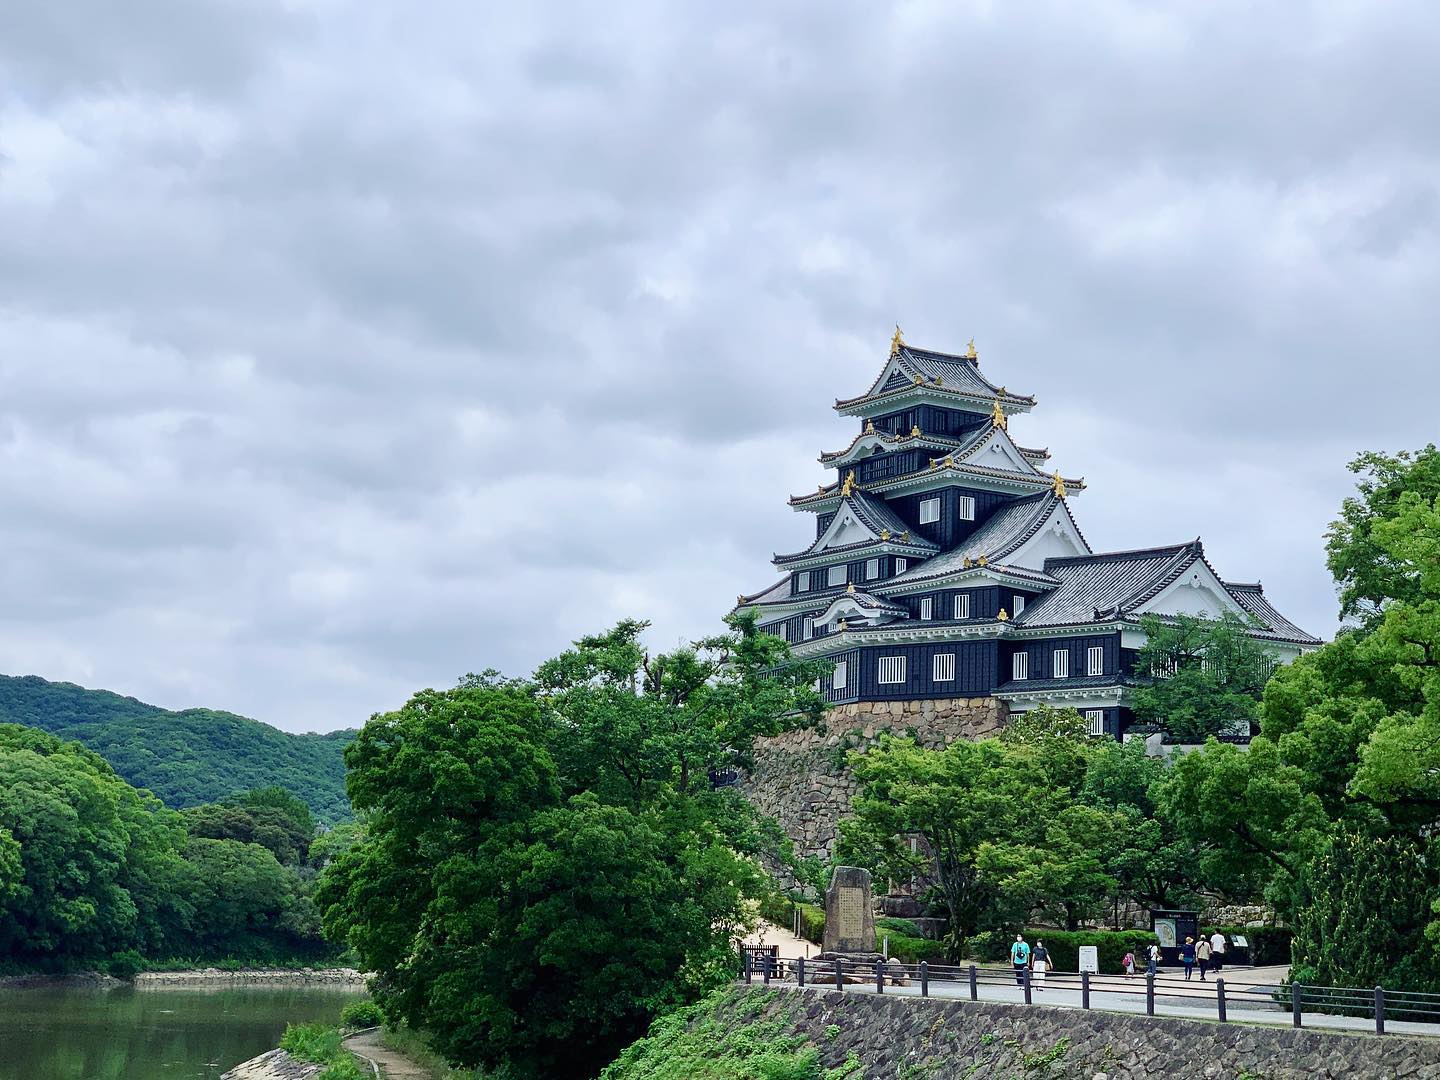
339 978
895 1037
800 779
275 1065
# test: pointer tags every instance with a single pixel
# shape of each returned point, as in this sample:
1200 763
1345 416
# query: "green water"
127 1034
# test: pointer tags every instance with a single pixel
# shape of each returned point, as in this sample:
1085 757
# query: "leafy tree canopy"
1208 676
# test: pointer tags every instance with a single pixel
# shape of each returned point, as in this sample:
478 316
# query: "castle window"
1095 660
1060 665
836 575
927 607
837 681
900 565
1020 666
872 569
962 605
1097 721
944 667
807 628
965 504
802 582
1019 605
929 511
892 669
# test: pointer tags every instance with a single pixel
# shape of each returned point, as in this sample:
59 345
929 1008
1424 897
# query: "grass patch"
320 1044
414 1045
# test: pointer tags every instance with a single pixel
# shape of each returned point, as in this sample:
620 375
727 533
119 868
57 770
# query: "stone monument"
849 916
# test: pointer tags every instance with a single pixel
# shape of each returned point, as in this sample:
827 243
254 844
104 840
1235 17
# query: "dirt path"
393 1066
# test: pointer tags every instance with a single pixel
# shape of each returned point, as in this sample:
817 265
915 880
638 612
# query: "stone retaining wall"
274 1065
914 1038
799 778
339 978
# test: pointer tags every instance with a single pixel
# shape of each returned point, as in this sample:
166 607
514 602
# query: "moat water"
75 1033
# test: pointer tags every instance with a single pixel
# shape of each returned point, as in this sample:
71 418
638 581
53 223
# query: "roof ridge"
1160 549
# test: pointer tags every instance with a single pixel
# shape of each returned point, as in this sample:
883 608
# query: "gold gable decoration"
897 342
970 353
869 427
998 416
1003 616
848 488
1059 485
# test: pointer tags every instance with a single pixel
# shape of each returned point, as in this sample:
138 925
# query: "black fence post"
840 973
1295 995
769 962
924 979
800 972
1149 994
1220 997
879 976
1084 989
1379 1010
974 987
1027 985
749 967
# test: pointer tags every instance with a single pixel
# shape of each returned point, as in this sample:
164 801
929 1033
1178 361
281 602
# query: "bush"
311 1042
344 1067
993 946
909 949
361 1014
1268 944
126 965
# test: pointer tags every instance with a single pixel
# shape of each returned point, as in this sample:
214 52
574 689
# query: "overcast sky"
348 347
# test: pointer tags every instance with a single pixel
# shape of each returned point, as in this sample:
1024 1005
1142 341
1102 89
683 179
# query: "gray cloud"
346 348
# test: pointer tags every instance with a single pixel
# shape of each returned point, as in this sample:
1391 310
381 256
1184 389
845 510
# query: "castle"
948 570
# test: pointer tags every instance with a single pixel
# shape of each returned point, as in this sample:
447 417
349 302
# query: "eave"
841 458
996 573
807 560
928 393
912 631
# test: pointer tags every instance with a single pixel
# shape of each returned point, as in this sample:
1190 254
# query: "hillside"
186 758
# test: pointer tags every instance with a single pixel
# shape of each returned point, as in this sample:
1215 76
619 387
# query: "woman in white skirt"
1039 964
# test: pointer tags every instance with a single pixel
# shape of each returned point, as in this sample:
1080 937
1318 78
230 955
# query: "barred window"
965 504
1095 660
1097 721
962 605
807 628
927 607
1060 664
900 565
802 582
872 569
1019 604
929 511
944 667
837 681
892 669
1020 666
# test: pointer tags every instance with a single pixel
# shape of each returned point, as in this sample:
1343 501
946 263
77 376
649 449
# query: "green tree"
1207 675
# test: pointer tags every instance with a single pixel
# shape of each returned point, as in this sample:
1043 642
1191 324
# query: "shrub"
909 949
344 1067
311 1042
361 1014
126 965
993 946
1268 944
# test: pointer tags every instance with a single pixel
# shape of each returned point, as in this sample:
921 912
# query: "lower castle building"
947 565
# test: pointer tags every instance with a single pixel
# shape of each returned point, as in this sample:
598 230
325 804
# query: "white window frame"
838 677
802 582
872 569
830 580
1097 721
890 670
1060 664
929 511
807 628
901 565
943 668
1095 660
1019 606
1020 666
961 609
927 608
965 506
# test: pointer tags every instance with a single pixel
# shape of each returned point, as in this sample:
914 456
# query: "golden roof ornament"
984 560
915 431
905 535
970 353
869 427
842 625
1059 485
1003 616
939 381
919 381
740 600
965 562
850 588
998 416
884 534
897 342
949 461
848 488
934 463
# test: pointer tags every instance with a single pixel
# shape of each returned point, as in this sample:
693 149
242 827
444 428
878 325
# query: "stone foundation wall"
339 978
907 1037
800 780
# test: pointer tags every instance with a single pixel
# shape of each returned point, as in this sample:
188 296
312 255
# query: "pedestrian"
1039 964
1129 965
1152 958
1202 954
1020 958
1217 952
1187 956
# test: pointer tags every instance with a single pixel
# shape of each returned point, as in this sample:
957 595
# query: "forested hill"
186 758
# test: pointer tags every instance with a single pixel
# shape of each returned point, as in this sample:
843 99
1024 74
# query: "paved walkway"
1246 994
392 1065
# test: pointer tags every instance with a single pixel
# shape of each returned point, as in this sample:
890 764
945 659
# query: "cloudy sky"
348 347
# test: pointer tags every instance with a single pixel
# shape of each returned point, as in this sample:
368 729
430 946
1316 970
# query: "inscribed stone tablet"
850 907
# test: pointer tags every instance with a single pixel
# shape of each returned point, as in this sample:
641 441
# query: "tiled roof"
1099 586
956 373
1252 599
1087 682
776 593
876 516
869 602
905 442
1003 532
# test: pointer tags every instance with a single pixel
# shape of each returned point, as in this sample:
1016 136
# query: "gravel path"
393 1066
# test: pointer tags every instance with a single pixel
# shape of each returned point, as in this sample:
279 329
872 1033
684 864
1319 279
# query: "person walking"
1039 964
1152 955
1129 965
1187 957
1217 952
1020 958
1202 955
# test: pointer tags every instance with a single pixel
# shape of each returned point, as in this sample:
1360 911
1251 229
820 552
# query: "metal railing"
966 980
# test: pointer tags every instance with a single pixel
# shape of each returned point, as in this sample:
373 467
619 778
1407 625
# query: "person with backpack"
1202 955
1187 957
1152 955
1020 958
1128 965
